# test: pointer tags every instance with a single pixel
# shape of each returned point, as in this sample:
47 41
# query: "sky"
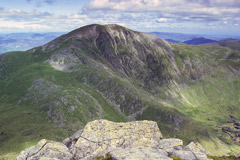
218 17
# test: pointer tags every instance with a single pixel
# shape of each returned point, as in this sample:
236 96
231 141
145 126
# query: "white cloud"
137 14
22 25
121 24
186 18
18 15
11 19
162 20
213 9
123 5
151 26
78 16
224 2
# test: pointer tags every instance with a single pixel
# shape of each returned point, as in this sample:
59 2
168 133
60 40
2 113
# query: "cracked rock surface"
46 149
137 140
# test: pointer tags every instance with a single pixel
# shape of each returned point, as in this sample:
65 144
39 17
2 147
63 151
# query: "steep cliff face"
130 54
111 72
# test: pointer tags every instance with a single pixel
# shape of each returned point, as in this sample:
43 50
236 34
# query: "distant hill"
200 40
227 42
230 43
178 37
25 41
182 37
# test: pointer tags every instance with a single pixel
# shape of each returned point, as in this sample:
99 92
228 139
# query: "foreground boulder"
137 140
139 153
46 149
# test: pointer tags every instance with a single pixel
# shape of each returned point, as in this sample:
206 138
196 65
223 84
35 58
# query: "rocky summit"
136 140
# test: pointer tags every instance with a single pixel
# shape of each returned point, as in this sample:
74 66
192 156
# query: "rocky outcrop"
139 153
197 149
139 140
46 149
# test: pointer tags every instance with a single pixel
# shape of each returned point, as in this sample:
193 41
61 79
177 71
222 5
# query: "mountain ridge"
108 71
199 40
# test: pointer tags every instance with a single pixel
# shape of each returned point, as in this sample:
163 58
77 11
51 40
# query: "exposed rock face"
139 140
139 153
197 149
46 149
100 135
185 155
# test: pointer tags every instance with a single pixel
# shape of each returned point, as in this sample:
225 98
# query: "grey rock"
100 135
237 156
46 149
137 140
197 149
72 140
139 153
184 155
170 144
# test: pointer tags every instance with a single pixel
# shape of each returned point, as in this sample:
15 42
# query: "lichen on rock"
46 149
137 140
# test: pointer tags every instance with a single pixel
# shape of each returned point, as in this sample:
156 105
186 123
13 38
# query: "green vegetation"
175 158
231 43
50 92
213 157
107 156
224 157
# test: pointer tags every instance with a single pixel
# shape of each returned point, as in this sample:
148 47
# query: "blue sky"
183 16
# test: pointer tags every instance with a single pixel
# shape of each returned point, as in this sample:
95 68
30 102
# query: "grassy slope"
212 99
26 123
233 44
192 108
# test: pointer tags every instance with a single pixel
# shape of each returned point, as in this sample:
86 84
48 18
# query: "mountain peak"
94 29
111 35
